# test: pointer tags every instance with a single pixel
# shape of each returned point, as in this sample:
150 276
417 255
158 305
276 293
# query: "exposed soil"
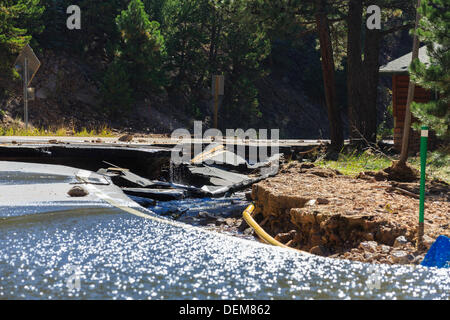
323 212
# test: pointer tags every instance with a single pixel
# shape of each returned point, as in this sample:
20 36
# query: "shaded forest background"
147 65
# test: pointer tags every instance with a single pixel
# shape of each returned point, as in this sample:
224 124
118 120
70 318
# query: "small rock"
248 231
401 257
98 141
243 226
322 201
219 221
418 259
385 248
206 215
400 241
126 138
285 237
201 222
230 222
318 250
368 256
188 219
370 246
53 141
427 241
310 202
368 236
77 192
307 165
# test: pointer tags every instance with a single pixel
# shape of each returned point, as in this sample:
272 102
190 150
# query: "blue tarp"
439 254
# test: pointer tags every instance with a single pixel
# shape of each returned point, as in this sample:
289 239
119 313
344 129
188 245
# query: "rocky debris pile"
396 172
402 252
233 225
320 211
221 215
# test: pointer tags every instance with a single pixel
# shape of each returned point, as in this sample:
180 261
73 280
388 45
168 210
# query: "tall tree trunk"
354 70
362 76
326 51
371 68
410 98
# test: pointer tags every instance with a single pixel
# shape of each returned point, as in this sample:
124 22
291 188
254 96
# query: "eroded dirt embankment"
323 212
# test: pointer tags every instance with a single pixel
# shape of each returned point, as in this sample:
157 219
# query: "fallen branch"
309 151
405 192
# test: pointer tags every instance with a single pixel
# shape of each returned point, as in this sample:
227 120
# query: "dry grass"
351 164
60 132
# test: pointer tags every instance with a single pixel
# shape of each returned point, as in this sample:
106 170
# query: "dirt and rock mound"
323 212
397 172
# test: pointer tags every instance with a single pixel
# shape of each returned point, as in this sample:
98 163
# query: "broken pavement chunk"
156 194
216 176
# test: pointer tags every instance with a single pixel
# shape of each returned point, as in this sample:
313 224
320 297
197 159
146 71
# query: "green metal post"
423 164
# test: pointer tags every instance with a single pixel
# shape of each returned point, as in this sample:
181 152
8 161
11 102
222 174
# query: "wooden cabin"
398 70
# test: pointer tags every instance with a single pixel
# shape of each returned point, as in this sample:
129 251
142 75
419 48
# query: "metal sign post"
29 64
423 166
25 92
217 89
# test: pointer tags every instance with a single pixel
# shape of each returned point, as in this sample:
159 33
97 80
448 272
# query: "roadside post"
25 92
217 88
423 163
27 64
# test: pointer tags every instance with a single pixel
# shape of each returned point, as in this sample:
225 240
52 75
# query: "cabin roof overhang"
401 65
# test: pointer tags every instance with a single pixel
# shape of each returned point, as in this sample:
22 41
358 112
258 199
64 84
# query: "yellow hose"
247 215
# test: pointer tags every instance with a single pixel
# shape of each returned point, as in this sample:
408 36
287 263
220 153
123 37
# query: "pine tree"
116 91
244 45
434 29
141 49
137 67
99 32
184 25
17 24
206 38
